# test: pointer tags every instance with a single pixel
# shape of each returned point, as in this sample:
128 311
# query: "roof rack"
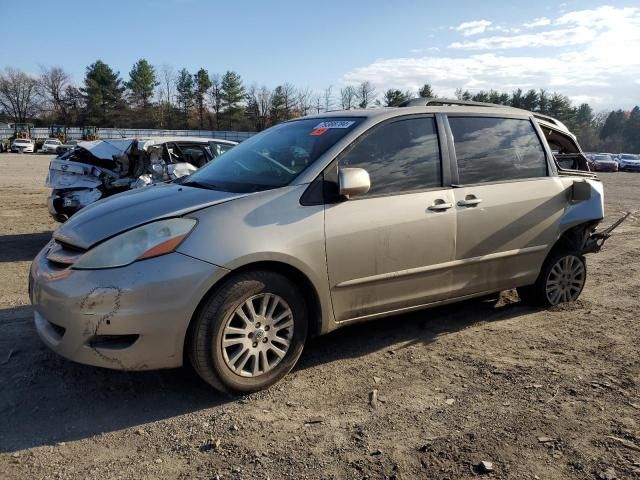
426 102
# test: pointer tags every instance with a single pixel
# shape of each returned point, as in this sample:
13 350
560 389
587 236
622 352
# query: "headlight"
147 241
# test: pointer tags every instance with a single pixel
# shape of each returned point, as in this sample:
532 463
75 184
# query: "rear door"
388 250
507 200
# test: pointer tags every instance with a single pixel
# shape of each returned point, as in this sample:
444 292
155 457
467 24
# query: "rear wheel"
561 280
249 333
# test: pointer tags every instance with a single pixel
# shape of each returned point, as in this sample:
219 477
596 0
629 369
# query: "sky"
586 49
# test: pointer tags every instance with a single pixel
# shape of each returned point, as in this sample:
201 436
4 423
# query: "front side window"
273 158
400 156
496 149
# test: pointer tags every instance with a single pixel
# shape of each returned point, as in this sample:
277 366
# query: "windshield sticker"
335 124
318 131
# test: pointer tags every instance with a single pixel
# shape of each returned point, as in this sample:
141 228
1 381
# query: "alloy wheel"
257 335
565 280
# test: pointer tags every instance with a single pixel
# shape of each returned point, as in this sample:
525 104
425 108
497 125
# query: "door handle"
440 205
469 202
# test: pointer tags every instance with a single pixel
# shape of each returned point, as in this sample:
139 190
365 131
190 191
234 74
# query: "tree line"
163 97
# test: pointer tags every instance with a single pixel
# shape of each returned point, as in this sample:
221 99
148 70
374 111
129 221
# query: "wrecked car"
314 224
97 169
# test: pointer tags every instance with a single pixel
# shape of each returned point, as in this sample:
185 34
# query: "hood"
108 217
106 149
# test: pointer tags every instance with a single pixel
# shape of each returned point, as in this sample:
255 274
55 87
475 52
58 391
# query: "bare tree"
215 98
348 96
259 105
328 98
366 93
18 94
289 99
166 92
168 83
305 101
52 84
317 103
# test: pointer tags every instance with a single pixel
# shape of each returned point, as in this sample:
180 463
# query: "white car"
22 145
50 145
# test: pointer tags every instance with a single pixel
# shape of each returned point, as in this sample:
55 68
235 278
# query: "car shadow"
47 399
22 247
403 331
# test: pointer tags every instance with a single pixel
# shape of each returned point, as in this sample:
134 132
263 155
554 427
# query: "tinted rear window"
496 149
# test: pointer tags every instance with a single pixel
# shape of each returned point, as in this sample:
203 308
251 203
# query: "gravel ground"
548 394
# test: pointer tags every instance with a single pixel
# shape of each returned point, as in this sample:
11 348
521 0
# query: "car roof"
443 105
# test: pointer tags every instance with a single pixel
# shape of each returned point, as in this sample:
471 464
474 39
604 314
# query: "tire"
567 270
263 337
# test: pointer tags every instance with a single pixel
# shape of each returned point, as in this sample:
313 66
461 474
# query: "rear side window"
400 156
496 149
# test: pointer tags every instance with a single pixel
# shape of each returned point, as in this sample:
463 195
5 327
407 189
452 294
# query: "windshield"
602 157
273 158
52 142
628 157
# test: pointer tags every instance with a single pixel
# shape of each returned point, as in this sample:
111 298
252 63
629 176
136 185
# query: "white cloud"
473 28
588 55
537 22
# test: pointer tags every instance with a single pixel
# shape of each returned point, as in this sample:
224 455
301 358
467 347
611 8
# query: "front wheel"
249 333
561 280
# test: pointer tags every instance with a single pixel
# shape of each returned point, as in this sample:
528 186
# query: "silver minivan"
313 224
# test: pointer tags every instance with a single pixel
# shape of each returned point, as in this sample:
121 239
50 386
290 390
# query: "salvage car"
50 145
314 224
628 162
66 146
22 145
101 168
604 163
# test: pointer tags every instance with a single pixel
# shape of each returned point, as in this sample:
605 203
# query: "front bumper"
130 318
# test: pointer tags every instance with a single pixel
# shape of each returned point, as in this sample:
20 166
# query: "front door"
388 250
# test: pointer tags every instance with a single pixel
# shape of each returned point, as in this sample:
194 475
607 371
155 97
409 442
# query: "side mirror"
353 181
580 191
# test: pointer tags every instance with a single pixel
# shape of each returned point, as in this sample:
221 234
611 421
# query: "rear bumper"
129 318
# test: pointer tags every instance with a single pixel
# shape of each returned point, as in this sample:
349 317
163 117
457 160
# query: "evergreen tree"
102 91
202 85
232 95
184 97
142 82
631 132
394 97
613 125
277 107
516 98
543 102
530 100
426 91
560 107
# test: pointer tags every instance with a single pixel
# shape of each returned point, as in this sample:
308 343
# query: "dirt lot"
540 394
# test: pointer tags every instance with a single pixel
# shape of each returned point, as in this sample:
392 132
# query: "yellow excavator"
59 132
89 133
22 131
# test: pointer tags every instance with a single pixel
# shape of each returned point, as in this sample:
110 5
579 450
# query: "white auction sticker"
335 124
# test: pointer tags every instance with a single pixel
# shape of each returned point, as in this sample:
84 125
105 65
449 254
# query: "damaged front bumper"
119 318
